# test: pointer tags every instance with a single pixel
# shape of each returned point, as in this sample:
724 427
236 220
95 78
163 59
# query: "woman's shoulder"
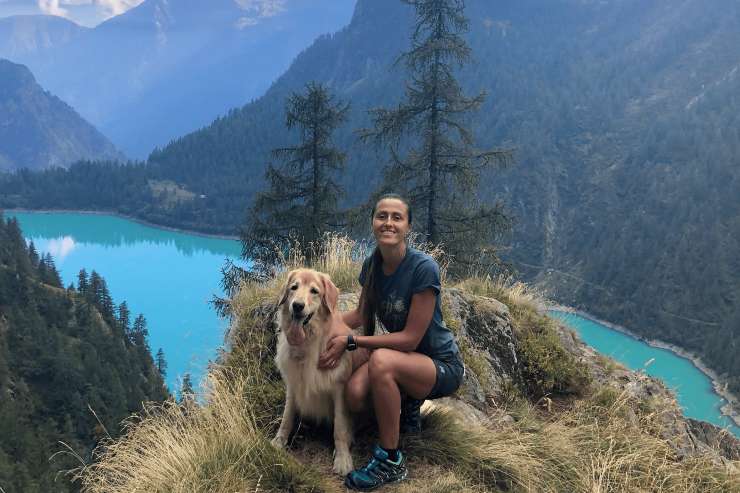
418 257
420 262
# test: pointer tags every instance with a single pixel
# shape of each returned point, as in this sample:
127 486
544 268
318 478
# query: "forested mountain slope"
64 353
624 115
38 130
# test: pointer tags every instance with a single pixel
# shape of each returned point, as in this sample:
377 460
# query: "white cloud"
115 7
255 10
86 11
52 7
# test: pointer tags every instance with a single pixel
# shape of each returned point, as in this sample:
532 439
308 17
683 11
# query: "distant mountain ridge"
168 67
38 130
27 35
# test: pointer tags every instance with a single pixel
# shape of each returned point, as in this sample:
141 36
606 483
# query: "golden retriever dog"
305 315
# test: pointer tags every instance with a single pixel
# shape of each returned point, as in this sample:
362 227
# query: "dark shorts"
450 371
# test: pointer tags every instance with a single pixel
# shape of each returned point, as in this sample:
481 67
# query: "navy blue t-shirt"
416 273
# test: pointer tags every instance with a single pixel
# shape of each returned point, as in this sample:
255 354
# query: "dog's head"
306 294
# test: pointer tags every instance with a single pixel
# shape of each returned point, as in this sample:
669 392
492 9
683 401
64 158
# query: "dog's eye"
314 291
294 287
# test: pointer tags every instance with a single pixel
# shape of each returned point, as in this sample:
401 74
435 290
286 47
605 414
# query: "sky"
84 12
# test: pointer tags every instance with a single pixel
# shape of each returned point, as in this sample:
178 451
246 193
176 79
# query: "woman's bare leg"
389 371
357 388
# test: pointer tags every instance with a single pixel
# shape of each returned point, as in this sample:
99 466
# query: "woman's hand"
334 350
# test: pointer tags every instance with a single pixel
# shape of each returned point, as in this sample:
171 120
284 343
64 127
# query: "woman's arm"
420 315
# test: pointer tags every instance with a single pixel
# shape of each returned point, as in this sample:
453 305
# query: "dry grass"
603 443
217 448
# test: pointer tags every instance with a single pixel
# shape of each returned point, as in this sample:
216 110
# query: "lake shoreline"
731 408
129 218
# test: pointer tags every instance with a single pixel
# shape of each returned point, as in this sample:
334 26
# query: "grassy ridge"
604 441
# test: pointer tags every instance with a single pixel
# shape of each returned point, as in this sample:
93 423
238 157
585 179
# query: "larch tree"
434 161
301 200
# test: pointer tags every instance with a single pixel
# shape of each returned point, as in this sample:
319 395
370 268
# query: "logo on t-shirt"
394 311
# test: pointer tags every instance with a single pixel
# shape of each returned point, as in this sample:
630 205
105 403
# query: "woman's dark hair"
371 287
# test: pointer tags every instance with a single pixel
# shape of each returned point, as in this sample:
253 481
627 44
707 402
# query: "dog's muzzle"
296 333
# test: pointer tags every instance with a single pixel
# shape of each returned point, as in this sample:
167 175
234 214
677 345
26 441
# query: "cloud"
52 7
255 10
116 7
92 11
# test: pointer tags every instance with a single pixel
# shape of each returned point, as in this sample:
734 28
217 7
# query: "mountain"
168 67
70 369
624 116
625 121
38 130
23 36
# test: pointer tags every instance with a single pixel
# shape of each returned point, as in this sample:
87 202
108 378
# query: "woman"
418 357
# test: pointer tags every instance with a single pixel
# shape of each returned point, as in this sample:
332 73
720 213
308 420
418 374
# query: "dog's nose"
298 306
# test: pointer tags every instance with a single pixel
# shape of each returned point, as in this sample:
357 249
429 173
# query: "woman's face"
390 222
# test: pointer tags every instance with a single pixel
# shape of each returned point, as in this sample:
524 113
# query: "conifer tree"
33 254
124 317
187 393
161 363
441 168
82 282
300 203
139 333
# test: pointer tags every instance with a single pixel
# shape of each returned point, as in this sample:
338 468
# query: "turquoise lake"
693 388
171 277
168 276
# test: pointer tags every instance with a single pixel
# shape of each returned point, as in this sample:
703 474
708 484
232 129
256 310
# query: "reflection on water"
168 276
61 247
115 232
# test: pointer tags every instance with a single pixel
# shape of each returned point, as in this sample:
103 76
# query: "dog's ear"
286 287
331 293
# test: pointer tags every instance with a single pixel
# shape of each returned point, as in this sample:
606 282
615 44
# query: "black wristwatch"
351 344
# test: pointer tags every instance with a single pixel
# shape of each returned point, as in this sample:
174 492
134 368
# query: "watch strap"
351 344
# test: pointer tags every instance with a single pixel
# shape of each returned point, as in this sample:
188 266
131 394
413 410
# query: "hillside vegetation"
568 432
71 369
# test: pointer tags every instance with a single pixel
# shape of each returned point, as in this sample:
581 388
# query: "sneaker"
379 471
411 415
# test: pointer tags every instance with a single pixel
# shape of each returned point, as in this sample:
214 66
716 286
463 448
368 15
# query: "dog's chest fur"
313 389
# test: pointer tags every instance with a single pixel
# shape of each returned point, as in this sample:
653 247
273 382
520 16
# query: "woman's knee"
355 393
381 363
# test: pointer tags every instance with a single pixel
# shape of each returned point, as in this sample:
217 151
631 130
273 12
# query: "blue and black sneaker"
379 471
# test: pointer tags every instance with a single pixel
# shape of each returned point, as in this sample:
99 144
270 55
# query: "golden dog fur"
309 391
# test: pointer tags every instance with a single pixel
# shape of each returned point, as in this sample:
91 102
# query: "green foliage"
67 373
441 170
548 366
300 203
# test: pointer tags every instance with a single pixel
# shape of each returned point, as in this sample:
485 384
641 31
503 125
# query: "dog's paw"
343 464
279 441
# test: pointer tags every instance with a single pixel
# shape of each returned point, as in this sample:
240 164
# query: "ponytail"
370 292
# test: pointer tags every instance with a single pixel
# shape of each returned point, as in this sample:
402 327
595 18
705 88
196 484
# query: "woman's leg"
389 371
357 388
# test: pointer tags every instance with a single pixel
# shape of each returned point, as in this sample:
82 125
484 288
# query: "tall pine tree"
441 168
300 203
